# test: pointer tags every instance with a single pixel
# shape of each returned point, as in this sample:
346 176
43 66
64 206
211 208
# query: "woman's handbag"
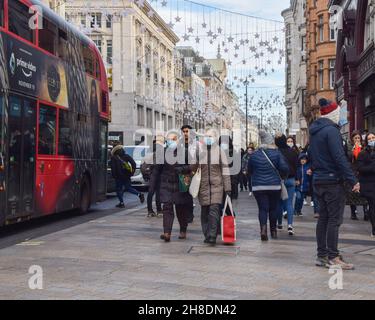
195 183
284 190
228 224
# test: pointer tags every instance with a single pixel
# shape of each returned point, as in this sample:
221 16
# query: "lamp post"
246 83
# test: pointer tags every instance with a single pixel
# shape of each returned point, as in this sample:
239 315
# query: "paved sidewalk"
118 255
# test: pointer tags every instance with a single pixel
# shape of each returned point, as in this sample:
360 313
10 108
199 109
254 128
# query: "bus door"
21 171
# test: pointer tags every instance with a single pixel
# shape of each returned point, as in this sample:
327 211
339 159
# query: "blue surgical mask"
209 141
171 144
371 144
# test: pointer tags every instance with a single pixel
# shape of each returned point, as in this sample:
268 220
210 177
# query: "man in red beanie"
331 169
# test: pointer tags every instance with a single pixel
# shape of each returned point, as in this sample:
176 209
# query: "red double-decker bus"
54 111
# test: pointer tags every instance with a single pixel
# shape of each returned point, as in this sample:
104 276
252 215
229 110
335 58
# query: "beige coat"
215 177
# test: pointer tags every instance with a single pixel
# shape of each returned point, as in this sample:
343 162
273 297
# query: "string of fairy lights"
252 47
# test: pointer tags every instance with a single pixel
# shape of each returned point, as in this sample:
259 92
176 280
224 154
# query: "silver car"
138 153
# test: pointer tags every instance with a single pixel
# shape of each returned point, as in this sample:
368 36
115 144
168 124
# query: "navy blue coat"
327 155
263 176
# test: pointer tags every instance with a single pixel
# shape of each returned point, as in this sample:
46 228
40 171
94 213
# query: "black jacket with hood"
326 152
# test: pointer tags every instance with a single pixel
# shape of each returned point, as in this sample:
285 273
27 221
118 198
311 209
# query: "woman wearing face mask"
291 142
366 169
354 199
290 183
167 174
215 181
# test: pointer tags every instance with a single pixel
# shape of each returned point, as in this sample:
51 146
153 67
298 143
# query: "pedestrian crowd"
279 174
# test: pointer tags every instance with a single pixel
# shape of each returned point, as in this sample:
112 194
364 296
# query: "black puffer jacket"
117 168
168 174
366 168
290 155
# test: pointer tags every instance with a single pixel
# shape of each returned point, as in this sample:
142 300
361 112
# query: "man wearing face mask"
331 169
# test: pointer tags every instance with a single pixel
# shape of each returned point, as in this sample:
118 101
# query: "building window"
170 123
96 20
321 28
157 121
164 122
149 118
321 75
289 79
83 20
332 73
98 44
139 68
108 22
109 51
140 116
332 34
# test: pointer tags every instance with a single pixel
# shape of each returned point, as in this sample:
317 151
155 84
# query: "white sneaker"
372 235
304 202
250 194
311 203
285 215
290 230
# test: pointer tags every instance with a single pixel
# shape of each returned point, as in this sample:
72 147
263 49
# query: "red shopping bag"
228 224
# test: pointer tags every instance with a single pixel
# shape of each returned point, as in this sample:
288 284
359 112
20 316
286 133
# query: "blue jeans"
300 196
287 205
124 186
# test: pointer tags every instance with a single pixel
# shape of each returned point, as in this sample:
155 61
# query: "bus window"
104 102
48 36
1 13
88 60
19 18
47 130
65 143
62 49
97 69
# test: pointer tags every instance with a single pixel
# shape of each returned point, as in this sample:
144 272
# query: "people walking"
215 182
242 175
303 183
146 169
226 146
354 199
123 167
171 196
245 163
291 156
331 168
189 145
366 169
266 167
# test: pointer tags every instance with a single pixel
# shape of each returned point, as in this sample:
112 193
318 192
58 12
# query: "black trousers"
182 212
371 212
210 219
331 199
150 195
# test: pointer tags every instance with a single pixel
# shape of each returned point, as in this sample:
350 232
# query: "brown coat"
215 177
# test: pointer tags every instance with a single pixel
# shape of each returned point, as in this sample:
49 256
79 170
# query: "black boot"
263 233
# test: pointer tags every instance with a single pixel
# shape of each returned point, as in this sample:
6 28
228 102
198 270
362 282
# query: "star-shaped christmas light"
204 25
210 33
236 55
257 36
219 30
186 37
243 61
178 19
197 39
229 63
275 39
214 36
190 30
230 39
236 47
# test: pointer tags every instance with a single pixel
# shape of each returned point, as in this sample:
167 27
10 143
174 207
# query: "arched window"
369 26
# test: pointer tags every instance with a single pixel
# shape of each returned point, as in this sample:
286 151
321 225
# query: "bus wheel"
85 200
